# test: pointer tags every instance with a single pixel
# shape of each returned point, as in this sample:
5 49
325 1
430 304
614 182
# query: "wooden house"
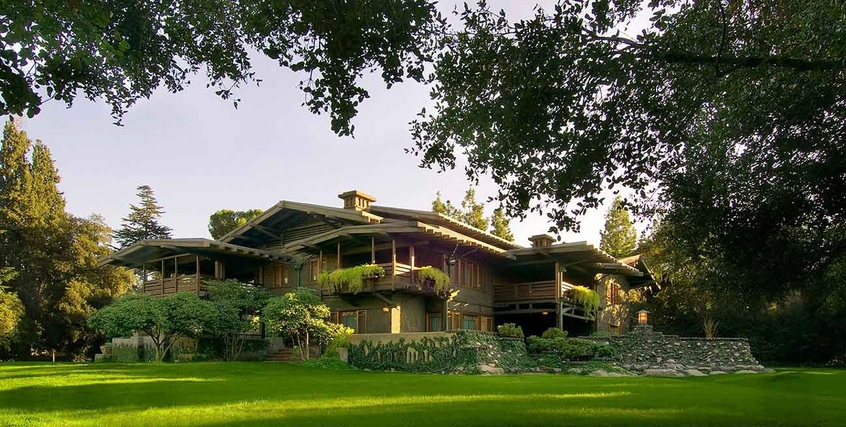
493 281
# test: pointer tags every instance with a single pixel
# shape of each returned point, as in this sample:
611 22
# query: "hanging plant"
438 278
587 298
352 278
323 279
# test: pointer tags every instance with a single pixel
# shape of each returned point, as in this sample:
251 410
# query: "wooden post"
559 316
393 264
338 261
411 262
372 250
320 262
161 278
197 258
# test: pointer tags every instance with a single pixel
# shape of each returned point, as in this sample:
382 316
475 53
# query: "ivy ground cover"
251 394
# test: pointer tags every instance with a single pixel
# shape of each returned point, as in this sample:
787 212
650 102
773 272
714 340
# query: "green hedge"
464 351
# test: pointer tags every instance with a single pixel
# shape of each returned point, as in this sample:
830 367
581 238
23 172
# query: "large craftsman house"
493 281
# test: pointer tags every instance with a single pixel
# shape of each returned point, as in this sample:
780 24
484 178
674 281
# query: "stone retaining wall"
644 350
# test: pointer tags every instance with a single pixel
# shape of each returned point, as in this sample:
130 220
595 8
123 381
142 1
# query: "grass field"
249 394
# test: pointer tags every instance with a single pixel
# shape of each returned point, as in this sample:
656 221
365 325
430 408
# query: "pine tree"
473 211
619 238
143 221
500 226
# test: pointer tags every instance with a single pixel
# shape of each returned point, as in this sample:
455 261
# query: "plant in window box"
434 278
352 279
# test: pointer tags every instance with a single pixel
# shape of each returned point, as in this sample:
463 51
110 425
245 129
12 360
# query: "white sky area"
199 154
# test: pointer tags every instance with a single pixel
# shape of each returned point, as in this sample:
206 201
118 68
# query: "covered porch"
168 266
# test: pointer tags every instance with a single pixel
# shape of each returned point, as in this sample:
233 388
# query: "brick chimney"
541 240
357 200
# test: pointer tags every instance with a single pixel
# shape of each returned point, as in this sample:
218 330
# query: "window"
469 274
470 322
612 292
313 269
355 320
434 322
276 275
454 320
487 324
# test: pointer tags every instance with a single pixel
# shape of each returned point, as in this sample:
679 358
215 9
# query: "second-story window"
470 274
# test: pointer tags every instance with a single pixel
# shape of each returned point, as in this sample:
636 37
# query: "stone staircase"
286 355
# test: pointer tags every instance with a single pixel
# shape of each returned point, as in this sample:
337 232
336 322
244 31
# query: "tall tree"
559 106
473 211
226 220
500 226
11 310
53 254
122 51
445 207
143 220
619 238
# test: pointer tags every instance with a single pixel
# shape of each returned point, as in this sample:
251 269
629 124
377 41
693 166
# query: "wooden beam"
559 317
197 259
338 264
393 264
267 231
411 263
372 250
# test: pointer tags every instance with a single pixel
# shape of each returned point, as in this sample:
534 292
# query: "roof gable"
301 219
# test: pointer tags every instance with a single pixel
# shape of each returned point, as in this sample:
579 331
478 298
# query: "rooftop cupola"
541 240
357 200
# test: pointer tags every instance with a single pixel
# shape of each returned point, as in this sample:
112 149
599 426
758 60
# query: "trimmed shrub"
605 350
510 330
553 333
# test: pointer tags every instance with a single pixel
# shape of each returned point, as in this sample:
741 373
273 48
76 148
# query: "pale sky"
199 154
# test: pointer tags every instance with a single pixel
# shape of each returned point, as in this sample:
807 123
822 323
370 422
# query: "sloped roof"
395 227
288 210
147 250
442 220
577 253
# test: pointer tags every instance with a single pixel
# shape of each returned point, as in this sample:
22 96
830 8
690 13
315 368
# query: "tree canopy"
619 238
472 212
163 319
302 316
143 220
226 220
51 254
122 51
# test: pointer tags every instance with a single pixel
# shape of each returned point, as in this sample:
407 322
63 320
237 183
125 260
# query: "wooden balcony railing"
172 285
528 291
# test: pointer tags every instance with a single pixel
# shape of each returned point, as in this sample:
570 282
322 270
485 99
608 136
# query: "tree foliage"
560 105
122 51
619 238
143 220
446 208
53 254
11 312
226 220
238 307
500 225
472 212
164 319
301 316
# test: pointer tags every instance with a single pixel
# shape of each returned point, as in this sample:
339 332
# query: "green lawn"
249 394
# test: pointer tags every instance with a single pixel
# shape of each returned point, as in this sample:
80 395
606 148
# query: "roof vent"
356 200
541 240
